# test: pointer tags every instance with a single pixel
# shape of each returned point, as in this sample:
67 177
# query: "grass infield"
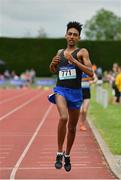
107 121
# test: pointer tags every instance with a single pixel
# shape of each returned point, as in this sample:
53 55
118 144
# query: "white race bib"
67 73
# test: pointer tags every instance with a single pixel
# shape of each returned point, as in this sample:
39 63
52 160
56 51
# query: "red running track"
28 126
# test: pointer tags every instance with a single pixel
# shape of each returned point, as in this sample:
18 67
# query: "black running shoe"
58 163
67 164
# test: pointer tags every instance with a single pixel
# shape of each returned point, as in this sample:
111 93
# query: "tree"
41 33
105 25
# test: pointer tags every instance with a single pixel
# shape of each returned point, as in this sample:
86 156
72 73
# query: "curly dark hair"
76 25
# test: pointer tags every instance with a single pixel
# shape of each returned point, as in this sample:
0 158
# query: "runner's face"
72 36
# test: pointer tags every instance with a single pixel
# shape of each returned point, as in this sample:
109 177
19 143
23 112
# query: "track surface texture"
28 141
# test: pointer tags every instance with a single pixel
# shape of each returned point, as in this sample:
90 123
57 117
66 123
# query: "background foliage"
105 25
22 54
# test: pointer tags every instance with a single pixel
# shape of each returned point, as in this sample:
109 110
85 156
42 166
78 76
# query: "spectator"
118 85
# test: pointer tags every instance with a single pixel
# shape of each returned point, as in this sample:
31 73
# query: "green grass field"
107 121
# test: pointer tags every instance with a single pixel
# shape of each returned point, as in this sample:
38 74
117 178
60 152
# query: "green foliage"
105 25
103 53
22 54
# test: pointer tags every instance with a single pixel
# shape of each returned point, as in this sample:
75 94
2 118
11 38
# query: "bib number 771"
67 74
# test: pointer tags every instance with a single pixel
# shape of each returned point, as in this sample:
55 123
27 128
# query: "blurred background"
31 32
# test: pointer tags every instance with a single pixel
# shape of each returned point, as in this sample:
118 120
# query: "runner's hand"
55 60
54 63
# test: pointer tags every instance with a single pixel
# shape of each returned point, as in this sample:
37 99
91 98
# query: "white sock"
59 153
67 155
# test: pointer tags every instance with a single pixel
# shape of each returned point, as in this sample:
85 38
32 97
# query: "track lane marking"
48 167
19 107
13 173
12 98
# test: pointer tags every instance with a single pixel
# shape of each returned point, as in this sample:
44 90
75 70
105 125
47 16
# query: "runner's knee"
64 119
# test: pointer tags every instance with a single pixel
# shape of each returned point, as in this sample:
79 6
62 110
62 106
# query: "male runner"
69 64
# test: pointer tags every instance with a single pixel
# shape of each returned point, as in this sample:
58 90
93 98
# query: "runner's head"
76 25
73 33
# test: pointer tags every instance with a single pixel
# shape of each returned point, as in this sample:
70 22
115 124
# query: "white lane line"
51 164
6 145
13 173
49 167
14 134
5 148
4 153
19 107
2 157
12 98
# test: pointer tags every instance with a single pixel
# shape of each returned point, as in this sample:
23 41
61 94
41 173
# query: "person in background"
94 67
68 64
115 90
86 91
118 84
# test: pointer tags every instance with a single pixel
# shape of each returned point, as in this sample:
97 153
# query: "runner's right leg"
63 112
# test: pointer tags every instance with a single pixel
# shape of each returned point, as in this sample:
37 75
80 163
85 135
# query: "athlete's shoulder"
59 51
82 53
83 50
